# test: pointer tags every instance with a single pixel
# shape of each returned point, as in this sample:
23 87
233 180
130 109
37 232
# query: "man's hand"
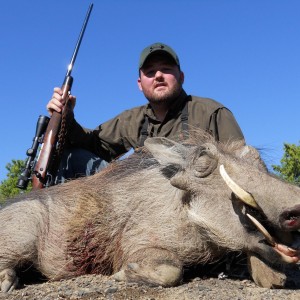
57 102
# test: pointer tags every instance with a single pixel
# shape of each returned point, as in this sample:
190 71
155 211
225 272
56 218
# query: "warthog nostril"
290 219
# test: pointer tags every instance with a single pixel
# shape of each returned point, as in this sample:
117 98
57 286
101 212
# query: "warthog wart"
144 218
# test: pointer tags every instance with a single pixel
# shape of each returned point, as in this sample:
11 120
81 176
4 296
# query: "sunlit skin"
161 82
57 102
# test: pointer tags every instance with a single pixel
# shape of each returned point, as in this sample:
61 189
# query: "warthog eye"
204 166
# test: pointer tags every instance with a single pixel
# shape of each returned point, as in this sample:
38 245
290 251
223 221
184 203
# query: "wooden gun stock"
44 172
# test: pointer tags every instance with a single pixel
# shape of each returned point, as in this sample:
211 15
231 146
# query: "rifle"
50 133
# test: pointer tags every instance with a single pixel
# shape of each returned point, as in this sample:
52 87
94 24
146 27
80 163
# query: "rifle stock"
46 165
44 172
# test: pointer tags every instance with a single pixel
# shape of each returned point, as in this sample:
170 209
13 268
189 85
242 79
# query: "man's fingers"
57 102
54 105
58 90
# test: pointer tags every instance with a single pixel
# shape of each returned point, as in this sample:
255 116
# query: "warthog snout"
290 218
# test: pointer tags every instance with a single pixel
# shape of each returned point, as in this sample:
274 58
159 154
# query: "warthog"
146 217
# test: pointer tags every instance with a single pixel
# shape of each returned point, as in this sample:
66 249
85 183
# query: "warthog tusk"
242 194
288 254
263 230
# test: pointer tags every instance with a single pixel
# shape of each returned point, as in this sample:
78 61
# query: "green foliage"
8 186
290 164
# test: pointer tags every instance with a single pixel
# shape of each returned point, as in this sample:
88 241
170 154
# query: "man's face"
160 79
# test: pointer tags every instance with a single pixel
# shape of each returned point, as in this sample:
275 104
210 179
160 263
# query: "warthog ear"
166 152
205 160
252 156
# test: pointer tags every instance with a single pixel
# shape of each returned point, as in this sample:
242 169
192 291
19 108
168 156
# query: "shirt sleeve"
105 140
226 127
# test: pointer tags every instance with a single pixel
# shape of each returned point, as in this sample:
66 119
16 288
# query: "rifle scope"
31 152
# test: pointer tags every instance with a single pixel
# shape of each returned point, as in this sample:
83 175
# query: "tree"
8 187
290 164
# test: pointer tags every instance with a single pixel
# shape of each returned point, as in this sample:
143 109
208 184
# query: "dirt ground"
101 287
195 286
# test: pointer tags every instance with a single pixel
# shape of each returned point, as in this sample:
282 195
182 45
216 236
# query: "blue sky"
244 54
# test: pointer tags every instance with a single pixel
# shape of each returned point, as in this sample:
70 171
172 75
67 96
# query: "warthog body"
145 218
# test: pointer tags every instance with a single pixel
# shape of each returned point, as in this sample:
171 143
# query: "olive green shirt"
118 135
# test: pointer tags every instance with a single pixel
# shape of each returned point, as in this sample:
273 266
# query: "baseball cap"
157 47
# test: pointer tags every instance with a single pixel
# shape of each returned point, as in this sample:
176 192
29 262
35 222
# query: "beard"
165 96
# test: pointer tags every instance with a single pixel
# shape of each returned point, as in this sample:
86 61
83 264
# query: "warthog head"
235 202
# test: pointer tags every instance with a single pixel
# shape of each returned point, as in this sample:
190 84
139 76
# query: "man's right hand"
57 102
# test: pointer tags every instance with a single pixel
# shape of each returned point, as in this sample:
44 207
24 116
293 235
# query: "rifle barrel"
70 67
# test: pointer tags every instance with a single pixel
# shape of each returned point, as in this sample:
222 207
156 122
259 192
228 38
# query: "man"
169 113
